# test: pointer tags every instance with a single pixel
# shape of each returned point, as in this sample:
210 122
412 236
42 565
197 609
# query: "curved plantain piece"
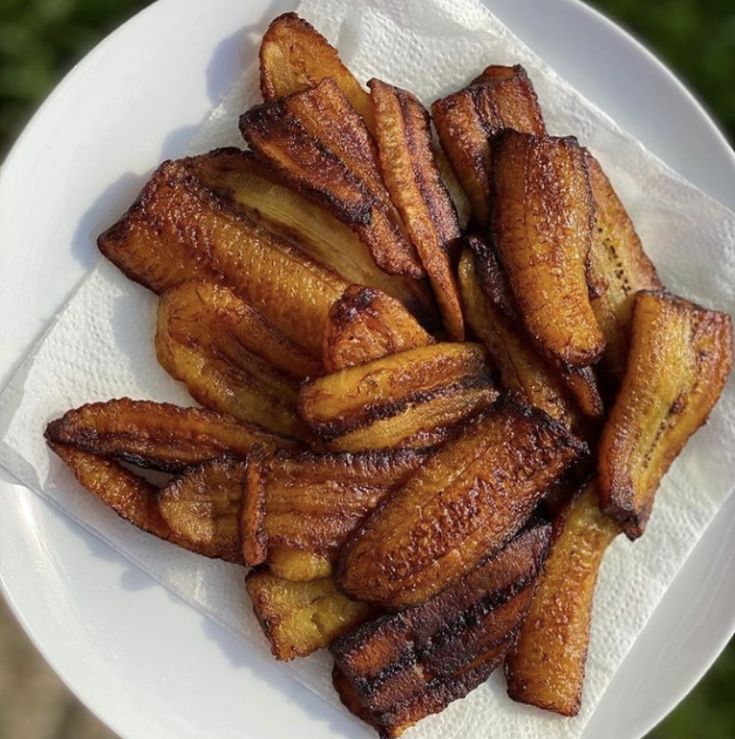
158 435
546 666
403 135
679 360
542 224
465 503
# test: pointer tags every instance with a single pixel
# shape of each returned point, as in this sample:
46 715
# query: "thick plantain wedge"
319 145
366 324
300 617
546 666
313 502
465 503
253 185
542 225
177 215
230 358
407 399
679 360
404 666
466 121
618 268
492 317
158 435
409 167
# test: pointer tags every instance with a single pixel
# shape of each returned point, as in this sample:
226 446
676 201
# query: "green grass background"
41 39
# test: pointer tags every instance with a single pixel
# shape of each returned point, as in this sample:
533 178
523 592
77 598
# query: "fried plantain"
364 325
300 617
230 358
466 121
316 142
411 175
542 225
298 565
492 317
177 213
465 503
679 360
618 268
404 399
546 666
158 435
404 666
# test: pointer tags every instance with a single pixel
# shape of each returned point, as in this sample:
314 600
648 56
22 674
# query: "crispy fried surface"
409 167
294 56
251 184
176 213
466 502
490 314
679 360
618 268
546 667
318 144
398 400
366 324
300 617
158 435
466 121
401 667
542 224
230 358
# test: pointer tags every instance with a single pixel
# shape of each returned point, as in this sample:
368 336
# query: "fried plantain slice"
466 122
364 325
318 144
409 167
177 213
202 507
546 666
618 268
542 224
158 435
230 358
404 666
253 185
679 360
492 317
404 399
298 565
300 617
465 503
294 57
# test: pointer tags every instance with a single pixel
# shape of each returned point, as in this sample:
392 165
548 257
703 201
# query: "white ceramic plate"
150 666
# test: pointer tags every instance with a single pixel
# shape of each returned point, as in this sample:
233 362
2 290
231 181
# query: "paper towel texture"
100 346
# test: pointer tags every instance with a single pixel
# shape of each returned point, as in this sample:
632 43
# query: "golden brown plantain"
404 399
300 617
680 357
402 667
176 212
491 315
298 565
294 57
542 225
618 268
409 167
230 358
546 667
158 435
250 183
318 144
365 324
465 503
466 121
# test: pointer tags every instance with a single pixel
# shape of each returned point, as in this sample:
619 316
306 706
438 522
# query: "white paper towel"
100 346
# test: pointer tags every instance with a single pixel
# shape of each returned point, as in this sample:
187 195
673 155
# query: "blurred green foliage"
41 39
